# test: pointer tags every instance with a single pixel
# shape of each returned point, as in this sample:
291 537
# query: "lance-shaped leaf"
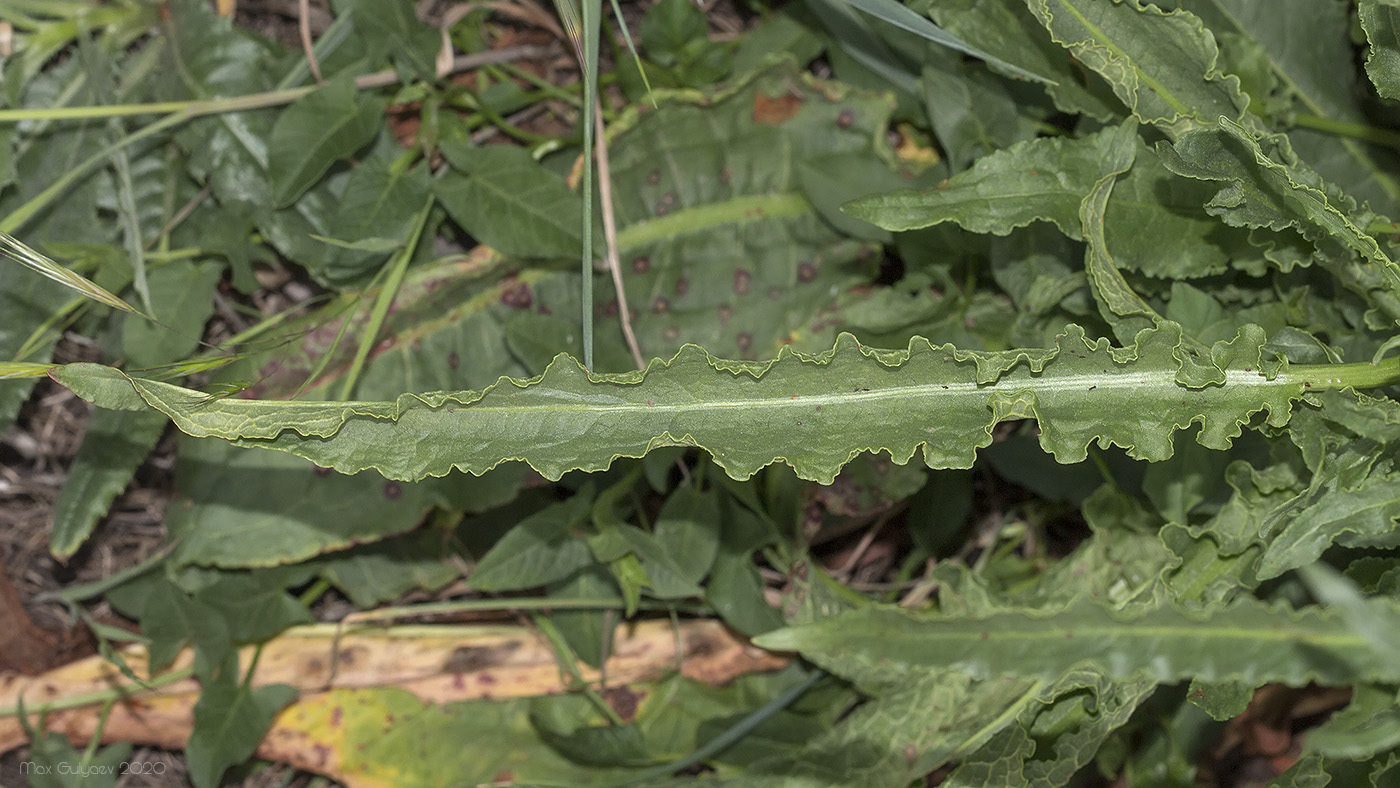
1161 64
1261 192
1381 21
1153 220
1295 76
813 412
1247 640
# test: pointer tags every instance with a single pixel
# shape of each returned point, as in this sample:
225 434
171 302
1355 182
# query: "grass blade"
901 16
21 253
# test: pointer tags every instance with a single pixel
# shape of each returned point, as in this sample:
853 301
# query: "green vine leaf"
813 412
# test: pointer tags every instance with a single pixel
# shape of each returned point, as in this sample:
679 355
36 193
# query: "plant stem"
1357 375
181 111
100 696
1356 131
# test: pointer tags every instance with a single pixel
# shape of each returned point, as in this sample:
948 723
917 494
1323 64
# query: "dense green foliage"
1135 261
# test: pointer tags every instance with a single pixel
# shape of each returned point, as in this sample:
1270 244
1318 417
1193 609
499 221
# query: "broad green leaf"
1162 65
1035 180
897 737
508 201
1217 559
390 29
1352 497
1246 640
929 719
776 32
588 632
1368 726
319 129
674 36
1152 222
209 57
1221 700
115 444
1176 487
382 572
1309 772
1260 192
183 296
1316 76
538 550
817 411
230 720
1007 29
718 246
1381 21
899 15
972 111
1049 743
736 592
172 618
666 577
253 604
240 508
373 216
1121 307
1116 565
54 763
688 530
829 181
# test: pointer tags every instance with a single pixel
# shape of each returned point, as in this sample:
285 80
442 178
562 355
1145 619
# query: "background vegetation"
1116 507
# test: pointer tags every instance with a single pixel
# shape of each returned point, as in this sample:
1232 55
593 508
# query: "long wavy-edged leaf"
1354 494
1313 74
1247 640
1260 192
1162 65
1014 758
1153 220
1381 21
1124 309
813 412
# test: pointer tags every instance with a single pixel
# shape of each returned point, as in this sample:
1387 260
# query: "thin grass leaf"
631 47
592 18
901 16
16 250
397 267
583 31
13 370
132 235
193 366
47 333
